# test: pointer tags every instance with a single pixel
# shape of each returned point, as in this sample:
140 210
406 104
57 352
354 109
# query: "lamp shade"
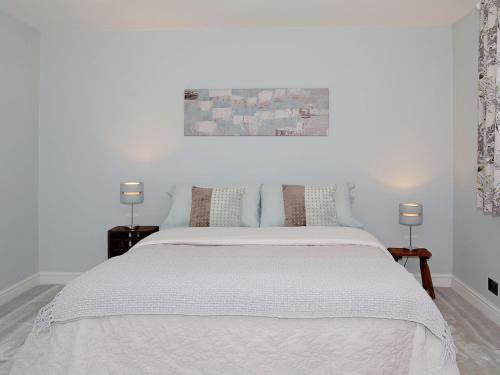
411 214
131 192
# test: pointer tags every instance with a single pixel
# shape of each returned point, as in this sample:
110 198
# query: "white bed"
208 319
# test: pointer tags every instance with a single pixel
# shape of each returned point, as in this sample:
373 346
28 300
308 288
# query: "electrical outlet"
493 286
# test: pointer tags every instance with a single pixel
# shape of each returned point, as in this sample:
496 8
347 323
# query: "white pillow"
273 210
180 213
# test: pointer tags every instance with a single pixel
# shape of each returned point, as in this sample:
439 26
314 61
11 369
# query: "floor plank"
16 318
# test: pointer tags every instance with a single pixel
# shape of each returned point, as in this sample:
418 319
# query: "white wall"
19 72
477 236
112 110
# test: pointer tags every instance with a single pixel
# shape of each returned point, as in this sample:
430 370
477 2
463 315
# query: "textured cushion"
320 205
216 207
201 201
273 213
309 205
180 212
295 205
225 208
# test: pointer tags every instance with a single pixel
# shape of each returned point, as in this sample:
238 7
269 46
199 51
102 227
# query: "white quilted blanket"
260 273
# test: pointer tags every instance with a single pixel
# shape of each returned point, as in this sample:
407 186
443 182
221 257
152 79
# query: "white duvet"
173 344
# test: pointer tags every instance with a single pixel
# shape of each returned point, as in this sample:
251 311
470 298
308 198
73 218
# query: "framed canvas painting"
266 112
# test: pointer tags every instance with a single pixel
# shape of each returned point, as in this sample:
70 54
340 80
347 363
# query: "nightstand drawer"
129 235
121 239
125 243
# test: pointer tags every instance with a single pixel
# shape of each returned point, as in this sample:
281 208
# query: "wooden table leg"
426 277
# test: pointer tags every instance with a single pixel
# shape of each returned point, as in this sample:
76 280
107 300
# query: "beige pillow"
216 207
309 205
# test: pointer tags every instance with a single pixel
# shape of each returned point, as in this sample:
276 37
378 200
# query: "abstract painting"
274 112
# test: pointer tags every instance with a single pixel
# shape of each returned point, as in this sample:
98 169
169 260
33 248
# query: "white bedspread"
237 290
293 236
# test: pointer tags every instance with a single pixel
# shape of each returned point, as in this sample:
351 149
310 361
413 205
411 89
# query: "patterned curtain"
488 141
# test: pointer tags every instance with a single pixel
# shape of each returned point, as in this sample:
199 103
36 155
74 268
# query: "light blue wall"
19 72
476 236
112 109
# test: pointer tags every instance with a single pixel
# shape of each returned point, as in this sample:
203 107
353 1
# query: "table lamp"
411 214
131 193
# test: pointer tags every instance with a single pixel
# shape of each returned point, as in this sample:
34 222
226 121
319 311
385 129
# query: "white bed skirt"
232 345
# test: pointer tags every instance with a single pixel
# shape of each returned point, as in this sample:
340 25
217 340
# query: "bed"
309 300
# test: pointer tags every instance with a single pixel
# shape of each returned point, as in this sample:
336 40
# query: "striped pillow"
216 207
309 205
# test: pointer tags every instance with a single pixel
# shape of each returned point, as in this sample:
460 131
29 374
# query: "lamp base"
135 227
411 248
132 226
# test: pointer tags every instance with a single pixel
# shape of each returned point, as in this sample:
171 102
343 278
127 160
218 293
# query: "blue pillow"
273 210
180 213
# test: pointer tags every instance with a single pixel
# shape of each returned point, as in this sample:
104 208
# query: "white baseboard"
476 299
57 277
442 280
18 288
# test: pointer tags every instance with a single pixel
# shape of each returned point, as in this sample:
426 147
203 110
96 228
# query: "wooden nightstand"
423 255
121 239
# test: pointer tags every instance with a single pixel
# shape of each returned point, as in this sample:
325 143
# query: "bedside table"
121 239
423 255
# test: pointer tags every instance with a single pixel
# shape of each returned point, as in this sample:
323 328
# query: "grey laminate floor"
16 319
477 338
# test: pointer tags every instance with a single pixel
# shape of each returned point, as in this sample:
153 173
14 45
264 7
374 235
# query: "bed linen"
229 339
180 210
273 214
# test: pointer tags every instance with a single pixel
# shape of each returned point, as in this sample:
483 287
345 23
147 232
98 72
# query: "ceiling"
73 15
